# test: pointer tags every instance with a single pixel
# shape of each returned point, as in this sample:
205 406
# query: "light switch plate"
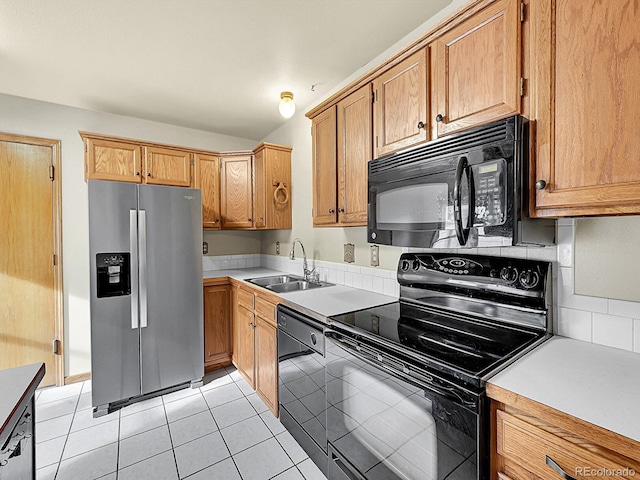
375 255
349 252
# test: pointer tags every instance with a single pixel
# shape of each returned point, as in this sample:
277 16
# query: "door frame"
56 203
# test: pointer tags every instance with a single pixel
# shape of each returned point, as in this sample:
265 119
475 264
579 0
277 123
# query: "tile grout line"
173 448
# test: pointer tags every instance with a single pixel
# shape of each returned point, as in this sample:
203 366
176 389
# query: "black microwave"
462 191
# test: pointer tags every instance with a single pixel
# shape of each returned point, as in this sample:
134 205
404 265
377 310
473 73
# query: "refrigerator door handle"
133 247
142 252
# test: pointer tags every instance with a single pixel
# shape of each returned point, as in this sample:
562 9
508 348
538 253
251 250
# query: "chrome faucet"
308 275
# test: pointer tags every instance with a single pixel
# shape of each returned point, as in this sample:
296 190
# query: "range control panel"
425 270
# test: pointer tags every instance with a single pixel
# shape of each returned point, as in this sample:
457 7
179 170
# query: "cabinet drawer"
266 310
246 298
535 449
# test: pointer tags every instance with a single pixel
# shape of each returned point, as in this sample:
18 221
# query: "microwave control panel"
490 193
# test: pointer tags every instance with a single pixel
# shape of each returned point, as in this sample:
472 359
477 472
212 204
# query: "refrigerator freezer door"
172 345
115 360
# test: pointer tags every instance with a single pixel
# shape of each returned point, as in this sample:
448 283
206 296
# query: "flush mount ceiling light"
287 107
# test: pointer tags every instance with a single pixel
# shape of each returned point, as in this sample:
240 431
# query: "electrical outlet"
375 255
205 248
349 252
277 248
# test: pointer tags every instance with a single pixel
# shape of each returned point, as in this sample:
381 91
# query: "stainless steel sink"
286 283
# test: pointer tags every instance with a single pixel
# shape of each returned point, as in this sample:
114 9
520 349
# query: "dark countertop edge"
10 422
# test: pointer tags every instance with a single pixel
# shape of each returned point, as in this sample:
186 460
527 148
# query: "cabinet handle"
420 125
248 219
148 174
541 185
216 220
439 118
331 210
549 461
341 210
138 174
262 219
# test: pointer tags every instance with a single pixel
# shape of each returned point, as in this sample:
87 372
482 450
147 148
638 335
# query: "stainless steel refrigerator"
145 244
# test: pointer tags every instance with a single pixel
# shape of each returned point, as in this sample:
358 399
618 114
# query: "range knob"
415 265
404 265
529 279
509 274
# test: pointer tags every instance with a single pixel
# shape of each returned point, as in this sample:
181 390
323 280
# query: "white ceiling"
215 65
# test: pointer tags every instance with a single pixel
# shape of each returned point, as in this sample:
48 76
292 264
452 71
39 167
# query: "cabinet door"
586 72
245 341
217 325
477 69
111 160
165 166
323 131
208 180
278 187
235 192
400 108
267 363
259 190
354 153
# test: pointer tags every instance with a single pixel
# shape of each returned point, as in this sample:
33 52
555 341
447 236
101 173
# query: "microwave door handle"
461 232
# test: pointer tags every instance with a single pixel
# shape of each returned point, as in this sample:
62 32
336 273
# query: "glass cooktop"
467 344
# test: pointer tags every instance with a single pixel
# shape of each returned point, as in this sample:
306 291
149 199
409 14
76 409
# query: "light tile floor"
222 431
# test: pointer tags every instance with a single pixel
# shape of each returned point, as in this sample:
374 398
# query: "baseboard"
81 377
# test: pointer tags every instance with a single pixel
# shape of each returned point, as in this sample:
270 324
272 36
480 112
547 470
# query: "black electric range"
424 360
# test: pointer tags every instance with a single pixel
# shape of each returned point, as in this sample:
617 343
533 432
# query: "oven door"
381 424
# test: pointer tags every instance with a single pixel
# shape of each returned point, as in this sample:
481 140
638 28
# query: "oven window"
389 429
411 205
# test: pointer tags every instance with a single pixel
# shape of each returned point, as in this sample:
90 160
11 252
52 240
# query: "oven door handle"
451 395
461 232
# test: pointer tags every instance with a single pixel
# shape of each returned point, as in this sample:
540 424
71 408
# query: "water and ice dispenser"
113 274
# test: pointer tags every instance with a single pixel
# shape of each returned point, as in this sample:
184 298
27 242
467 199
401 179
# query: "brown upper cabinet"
116 159
477 69
236 201
208 180
400 105
166 166
272 187
342 149
112 160
586 72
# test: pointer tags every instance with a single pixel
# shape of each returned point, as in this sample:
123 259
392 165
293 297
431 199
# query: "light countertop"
18 386
598 384
318 303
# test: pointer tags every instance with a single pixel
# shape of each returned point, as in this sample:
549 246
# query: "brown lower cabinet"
533 441
217 324
255 342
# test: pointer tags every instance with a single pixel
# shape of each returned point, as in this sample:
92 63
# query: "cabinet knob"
341 210
541 185
331 210
148 174
439 118
138 174
216 220
420 125
248 219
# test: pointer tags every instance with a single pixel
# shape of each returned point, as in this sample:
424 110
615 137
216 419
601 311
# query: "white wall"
39 119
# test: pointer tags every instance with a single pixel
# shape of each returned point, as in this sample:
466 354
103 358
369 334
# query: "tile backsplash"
604 321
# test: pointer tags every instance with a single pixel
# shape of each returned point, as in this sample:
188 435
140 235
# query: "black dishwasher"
301 382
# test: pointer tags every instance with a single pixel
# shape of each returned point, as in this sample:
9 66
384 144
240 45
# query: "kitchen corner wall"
22 116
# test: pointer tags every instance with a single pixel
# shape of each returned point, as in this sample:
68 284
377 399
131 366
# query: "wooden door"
30 249
266 358
235 192
259 190
208 181
323 132
217 325
112 160
400 108
586 75
165 166
477 69
354 153
245 354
